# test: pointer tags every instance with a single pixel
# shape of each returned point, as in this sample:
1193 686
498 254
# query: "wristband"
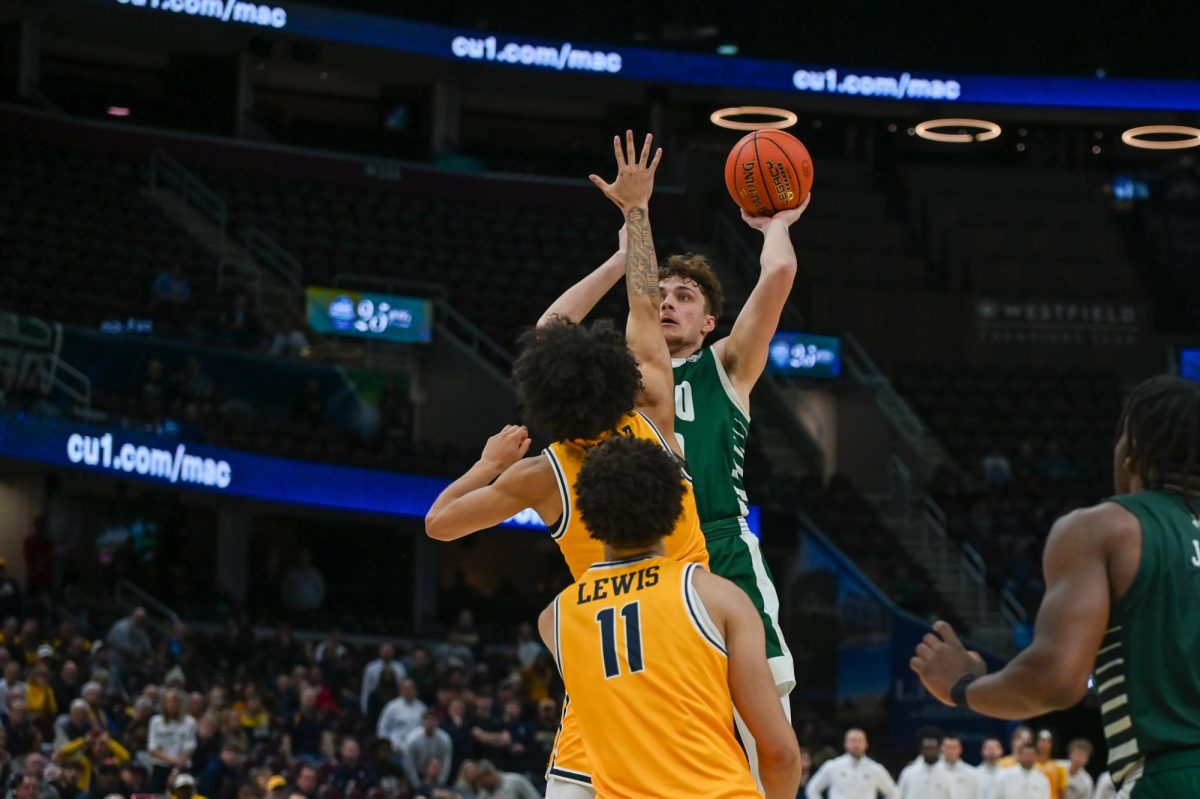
958 693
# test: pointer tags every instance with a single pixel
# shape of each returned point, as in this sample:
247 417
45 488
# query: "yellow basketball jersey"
648 679
580 550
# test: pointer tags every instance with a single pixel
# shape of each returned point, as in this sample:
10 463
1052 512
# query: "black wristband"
958 693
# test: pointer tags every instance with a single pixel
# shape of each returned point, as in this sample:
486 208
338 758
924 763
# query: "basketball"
768 171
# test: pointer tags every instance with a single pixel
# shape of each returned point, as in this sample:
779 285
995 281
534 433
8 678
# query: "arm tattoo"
641 264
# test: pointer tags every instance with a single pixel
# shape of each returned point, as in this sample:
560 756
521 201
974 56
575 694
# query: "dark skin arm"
1090 560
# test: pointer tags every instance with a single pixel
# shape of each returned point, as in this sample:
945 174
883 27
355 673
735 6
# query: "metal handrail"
476 339
170 173
269 252
81 394
141 598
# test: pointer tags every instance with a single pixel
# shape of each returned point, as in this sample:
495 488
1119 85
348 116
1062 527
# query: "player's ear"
710 324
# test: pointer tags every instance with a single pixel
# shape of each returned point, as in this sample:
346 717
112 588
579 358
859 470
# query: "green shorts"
1171 775
733 553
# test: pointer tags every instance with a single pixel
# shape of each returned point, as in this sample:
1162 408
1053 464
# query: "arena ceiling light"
780 117
930 127
1187 137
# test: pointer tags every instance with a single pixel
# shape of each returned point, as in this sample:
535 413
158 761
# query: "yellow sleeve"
119 752
73 748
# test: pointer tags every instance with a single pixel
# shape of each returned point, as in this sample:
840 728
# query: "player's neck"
613 553
685 349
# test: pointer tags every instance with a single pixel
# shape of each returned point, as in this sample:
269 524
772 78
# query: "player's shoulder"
1096 526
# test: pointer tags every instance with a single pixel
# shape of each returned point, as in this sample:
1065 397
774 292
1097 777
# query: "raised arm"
499 485
744 352
631 193
1052 672
577 302
751 685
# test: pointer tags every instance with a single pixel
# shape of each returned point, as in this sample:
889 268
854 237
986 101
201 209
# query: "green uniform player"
712 393
1122 604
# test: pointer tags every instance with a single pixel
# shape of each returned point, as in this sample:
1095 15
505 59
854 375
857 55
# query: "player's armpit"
751 683
527 484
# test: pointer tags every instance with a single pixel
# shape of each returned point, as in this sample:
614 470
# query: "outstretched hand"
941 660
761 223
506 447
635 173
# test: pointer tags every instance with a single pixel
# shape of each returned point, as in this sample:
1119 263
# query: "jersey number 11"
632 614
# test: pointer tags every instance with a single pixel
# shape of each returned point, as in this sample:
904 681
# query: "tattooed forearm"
641 263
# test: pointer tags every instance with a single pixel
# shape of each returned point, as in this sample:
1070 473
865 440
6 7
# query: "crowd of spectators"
92 710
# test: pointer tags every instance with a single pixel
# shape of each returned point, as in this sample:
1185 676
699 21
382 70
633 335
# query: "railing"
270 254
37 345
159 616
166 172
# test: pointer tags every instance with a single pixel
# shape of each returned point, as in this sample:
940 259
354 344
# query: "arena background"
366 210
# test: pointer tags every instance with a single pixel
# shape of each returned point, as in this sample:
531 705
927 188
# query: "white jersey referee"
853 775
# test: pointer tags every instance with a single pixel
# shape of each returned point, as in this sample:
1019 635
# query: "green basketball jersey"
712 427
1148 667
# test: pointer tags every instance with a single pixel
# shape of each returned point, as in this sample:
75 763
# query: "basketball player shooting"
712 402
1122 604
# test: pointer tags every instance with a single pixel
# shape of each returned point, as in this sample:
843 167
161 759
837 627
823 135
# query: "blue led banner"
383 317
805 355
662 66
145 457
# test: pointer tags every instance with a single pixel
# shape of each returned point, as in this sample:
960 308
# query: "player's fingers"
804 205
525 446
947 633
924 652
644 156
932 641
600 182
657 158
620 153
917 665
630 149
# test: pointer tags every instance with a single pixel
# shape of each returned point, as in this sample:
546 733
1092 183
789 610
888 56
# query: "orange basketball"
768 171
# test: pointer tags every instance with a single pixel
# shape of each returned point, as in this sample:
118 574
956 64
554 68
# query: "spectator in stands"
172 740
196 705
39 696
171 287
67 685
221 778
208 743
303 586
918 779
22 735
852 773
137 729
463 634
129 648
1079 782
386 661
306 736
350 767
184 787
458 727
73 726
27 787
401 716
395 413
233 732
34 764
92 752
289 340
491 739
494 784
255 720
152 399
306 782
528 646
331 649
193 384
93 693
1053 464
134 778
67 783
12 600
425 744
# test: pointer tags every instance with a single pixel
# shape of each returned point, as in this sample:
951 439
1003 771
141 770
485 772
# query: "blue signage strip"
641 64
145 457
805 355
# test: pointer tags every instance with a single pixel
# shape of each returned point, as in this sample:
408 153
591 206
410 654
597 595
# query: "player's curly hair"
575 381
697 269
1162 420
629 492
